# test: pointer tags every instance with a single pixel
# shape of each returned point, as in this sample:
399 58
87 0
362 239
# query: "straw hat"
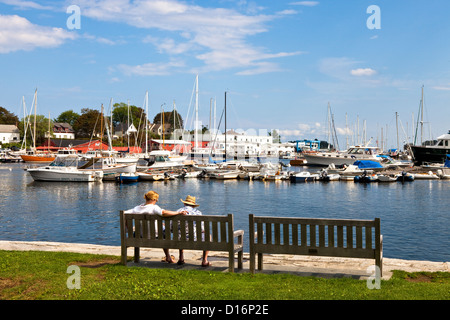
190 201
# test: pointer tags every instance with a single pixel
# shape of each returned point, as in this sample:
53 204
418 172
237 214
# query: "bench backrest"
184 232
321 237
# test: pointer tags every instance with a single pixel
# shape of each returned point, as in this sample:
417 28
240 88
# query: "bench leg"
136 254
123 259
252 262
260 261
240 258
231 261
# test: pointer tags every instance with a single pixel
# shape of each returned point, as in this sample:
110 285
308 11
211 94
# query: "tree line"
89 123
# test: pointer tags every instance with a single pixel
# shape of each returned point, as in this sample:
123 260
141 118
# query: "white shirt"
150 209
146 208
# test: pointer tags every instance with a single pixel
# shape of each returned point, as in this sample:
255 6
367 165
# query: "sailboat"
32 156
426 154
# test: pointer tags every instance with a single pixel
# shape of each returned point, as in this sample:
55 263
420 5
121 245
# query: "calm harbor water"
414 216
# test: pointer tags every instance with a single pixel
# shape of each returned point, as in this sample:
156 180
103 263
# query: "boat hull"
127 178
43 174
326 159
37 159
428 154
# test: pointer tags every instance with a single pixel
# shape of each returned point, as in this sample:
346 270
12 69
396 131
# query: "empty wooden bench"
180 232
314 237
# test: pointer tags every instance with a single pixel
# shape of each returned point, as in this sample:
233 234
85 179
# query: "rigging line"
234 112
217 132
190 104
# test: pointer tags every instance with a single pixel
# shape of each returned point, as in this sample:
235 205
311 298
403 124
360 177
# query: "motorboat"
127 177
346 173
108 165
432 153
155 175
248 175
339 158
240 165
426 176
303 176
444 173
163 159
366 178
224 174
387 177
64 169
325 176
185 174
405 176
390 163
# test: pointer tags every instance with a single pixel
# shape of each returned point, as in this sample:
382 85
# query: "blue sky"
281 62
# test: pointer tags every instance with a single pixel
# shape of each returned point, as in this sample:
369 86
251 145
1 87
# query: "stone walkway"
300 265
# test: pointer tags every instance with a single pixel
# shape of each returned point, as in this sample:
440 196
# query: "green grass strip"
32 275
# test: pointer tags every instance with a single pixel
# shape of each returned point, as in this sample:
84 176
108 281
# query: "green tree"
42 128
88 123
169 117
68 116
7 117
121 114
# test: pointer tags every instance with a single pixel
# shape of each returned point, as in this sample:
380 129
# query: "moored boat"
436 153
343 158
127 177
303 176
64 169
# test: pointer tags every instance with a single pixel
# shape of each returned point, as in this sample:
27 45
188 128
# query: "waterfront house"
9 133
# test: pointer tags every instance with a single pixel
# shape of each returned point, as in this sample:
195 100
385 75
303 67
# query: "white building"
62 130
9 133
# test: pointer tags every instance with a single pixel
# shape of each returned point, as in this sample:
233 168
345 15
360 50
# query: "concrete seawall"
300 265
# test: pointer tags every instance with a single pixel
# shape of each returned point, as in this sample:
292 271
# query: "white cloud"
25 4
287 12
363 72
302 130
344 131
305 3
215 36
17 33
442 88
151 69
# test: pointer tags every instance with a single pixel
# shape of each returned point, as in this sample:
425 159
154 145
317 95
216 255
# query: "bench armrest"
238 233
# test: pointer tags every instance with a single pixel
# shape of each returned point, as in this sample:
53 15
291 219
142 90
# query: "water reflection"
414 216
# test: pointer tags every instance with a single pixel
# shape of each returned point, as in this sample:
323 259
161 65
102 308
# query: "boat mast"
34 130
146 123
196 113
396 126
225 125
421 121
101 129
48 143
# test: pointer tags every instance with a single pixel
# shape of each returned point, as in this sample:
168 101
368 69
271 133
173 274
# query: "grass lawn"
31 275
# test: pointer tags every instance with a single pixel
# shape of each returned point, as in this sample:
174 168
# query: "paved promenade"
300 265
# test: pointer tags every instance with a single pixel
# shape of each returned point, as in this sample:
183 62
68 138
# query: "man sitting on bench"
150 207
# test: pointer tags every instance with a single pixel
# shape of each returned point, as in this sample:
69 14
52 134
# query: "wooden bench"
314 237
141 231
